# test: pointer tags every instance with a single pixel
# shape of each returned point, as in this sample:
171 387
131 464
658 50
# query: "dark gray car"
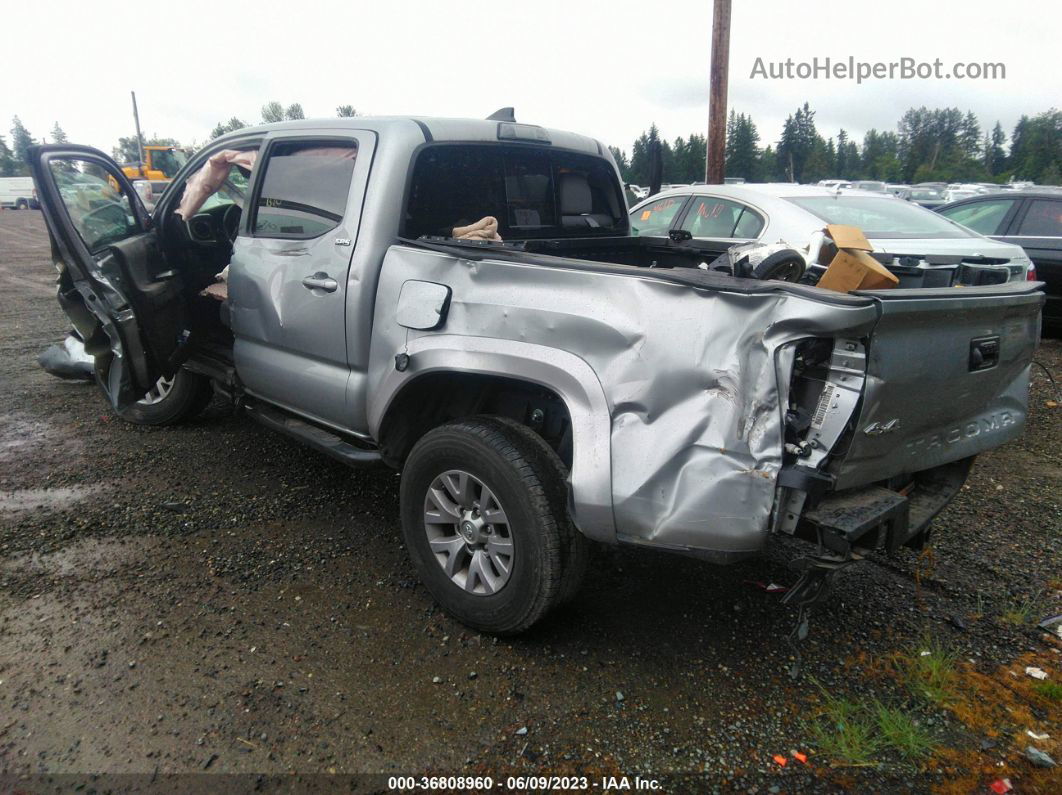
1030 219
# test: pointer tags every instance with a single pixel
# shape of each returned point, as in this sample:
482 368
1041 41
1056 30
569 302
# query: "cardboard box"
852 268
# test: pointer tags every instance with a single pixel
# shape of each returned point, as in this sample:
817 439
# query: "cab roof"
428 128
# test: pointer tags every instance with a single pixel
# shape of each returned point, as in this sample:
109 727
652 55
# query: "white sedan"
922 248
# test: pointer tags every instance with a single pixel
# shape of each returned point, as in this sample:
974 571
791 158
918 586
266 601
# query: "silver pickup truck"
573 382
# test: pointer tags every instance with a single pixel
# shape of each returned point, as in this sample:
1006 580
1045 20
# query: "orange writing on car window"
660 206
704 212
646 214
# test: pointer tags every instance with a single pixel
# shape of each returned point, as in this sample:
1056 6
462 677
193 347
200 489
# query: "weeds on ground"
1052 691
855 732
901 733
1019 612
928 671
845 731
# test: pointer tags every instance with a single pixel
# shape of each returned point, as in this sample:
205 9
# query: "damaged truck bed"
570 383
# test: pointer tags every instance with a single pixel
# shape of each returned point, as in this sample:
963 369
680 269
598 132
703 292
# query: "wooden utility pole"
715 161
139 137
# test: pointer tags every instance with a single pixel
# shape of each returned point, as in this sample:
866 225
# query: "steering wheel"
230 222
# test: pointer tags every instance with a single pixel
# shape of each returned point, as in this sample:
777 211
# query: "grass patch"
901 733
845 731
1020 612
855 732
928 671
1052 691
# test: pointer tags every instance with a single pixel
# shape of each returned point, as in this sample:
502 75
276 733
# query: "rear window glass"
883 218
983 216
304 189
1043 218
533 191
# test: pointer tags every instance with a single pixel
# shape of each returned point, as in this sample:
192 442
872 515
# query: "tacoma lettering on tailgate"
989 424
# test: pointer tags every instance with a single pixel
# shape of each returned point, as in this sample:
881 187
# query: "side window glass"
982 217
749 225
1044 219
99 211
654 219
304 189
710 217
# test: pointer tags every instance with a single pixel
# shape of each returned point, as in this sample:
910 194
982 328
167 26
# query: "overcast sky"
604 69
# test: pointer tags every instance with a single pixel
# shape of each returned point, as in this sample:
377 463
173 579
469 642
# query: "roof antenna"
503 114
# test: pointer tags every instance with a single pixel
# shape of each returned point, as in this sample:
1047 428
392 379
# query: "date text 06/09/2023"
523 783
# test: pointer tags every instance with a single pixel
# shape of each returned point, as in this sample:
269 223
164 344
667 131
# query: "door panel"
290 271
113 282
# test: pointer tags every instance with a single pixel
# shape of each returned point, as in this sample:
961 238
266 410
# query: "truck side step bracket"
321 439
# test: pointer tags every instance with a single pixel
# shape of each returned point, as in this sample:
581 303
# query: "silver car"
922 248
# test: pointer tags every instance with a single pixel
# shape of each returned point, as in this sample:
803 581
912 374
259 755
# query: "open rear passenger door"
114 283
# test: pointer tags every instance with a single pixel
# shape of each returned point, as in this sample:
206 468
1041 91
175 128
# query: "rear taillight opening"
1030 275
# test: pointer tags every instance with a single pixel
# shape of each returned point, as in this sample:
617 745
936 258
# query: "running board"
314 436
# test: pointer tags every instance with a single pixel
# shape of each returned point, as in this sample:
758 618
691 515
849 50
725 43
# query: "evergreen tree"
622 163
1051 175
1036 146
21 141
742 147
798 141
294 111
841 165
997 161
970 136
346 111
58 135
8 167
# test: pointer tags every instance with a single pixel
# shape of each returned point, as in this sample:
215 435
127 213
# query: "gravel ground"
214 597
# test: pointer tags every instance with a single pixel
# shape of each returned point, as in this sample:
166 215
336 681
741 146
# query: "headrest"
575 198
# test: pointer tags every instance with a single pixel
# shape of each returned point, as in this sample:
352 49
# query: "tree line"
928 145
13 162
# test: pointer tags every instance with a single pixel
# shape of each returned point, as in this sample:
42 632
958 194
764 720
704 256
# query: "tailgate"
947 377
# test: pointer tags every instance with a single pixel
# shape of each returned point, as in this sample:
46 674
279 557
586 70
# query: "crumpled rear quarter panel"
696 380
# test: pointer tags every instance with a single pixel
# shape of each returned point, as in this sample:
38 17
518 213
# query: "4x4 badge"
881 428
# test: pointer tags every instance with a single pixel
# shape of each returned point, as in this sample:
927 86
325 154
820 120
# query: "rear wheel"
170 400
22 204
481 523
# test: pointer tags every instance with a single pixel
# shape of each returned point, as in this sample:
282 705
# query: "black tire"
575 547
22 204
786 265
187 397
514 469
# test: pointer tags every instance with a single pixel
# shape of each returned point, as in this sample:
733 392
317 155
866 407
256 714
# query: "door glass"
304 189
711 217
984 217
99 211
749 225
1044 219
654 219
